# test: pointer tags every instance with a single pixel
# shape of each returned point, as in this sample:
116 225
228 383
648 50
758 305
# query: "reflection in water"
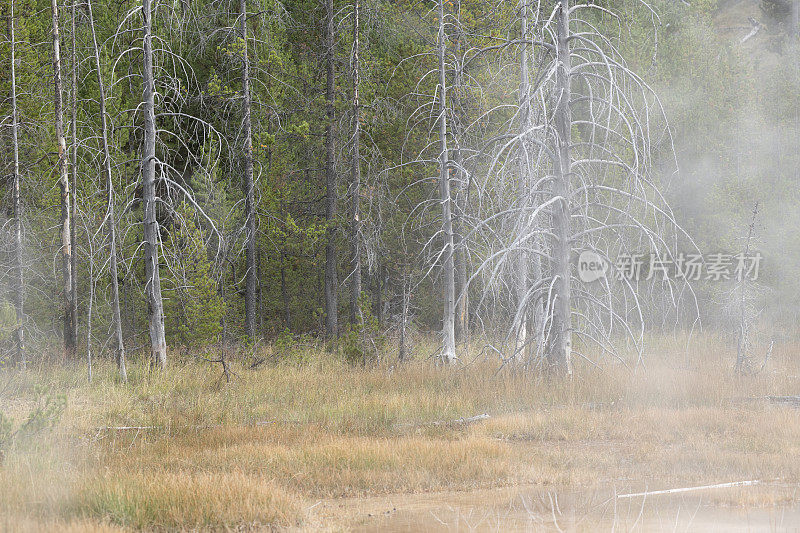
533 509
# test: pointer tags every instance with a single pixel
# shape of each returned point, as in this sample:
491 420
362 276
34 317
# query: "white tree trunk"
155 306
74 176
355 280
523 258
63 182
529 266
449 291
19 281
461 195
560 353
110 220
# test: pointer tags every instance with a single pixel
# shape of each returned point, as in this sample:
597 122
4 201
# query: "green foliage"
193 306
45 414
8 320
363 341
723 100
291 348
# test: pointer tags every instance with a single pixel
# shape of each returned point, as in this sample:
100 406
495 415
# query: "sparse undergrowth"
261 450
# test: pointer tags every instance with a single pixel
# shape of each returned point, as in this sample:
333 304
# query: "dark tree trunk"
331 277
251 280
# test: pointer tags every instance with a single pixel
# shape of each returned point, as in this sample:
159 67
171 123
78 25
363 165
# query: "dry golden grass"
262 451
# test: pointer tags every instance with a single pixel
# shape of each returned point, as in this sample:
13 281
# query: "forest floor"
321 445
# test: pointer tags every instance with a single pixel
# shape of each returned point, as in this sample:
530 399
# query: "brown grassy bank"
262 450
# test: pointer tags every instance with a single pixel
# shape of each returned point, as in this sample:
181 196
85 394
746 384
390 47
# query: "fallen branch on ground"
756 28
793 401
457 422
689 489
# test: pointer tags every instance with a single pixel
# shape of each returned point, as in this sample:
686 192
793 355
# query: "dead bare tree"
560 352
744 300
155 305
435 113
460 104
110 218
16 205
63 182
448 262
528 264
251 280
355 184
73 310
583 137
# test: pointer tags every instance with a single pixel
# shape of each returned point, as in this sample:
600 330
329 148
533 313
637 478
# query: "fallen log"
794 401
690 489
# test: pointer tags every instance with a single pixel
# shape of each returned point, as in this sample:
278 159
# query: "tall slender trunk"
16 204
155 305
249 188
63 182
287 317
89 311
404 315
462 275
448 319
741 349
461 194
377 290
523 267
528 265
560 353
331 278
355 228
74 175
110 221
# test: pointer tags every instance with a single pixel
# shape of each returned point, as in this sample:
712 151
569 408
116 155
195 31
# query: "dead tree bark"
249 187
404 304
110 217
449 290
74 176
461 195
528 264
331 278
523 267
355 228
742 345
155 305
63 182
462 266
16 204
560 353
89 311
